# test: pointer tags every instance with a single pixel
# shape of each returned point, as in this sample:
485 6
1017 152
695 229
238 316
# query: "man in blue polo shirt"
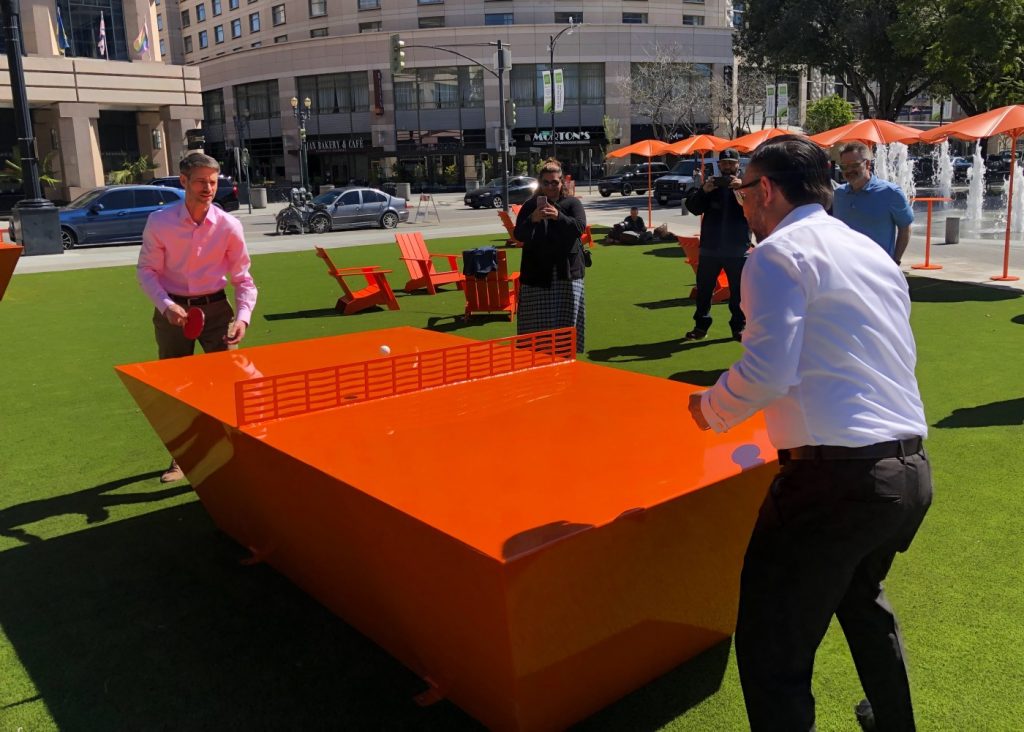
874 207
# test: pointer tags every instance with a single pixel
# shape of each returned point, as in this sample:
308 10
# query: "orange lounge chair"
510 227
497 292
422 272
691 247
514 209
376 292
587 238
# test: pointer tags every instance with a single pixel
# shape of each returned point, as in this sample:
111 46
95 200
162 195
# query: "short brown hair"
197 160
856 147
797 166
550 166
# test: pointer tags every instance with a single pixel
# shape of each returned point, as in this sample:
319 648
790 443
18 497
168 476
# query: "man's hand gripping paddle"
194 322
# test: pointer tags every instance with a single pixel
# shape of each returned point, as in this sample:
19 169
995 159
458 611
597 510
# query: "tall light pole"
302 114
35 219
551 69
241 127
503 123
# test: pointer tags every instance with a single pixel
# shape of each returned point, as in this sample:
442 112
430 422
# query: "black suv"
631 179
226 196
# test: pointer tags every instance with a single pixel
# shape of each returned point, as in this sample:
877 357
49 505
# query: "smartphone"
723 181
542 201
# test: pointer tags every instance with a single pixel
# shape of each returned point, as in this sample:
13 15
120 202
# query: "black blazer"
551 246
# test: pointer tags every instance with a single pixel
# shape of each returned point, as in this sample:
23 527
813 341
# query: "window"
254 22
443 87
232 4
317 33
200 12
317 8
371 26
429 2
693 2
336 93
218 34
204 39
159 22
163 47
168 196
563 18
260 98
368 4
118 199
693 20
280 39
185 21
188 44
255 44
349 198
277 15
434 21
499 19
217 7
236 28
737 13
634 18
584 84
145 198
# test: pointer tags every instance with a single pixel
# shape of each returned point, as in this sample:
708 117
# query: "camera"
723 181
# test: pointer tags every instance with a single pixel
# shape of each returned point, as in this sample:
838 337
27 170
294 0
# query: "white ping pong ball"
385 350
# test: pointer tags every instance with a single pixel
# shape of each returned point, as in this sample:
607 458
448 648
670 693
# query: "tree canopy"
827 114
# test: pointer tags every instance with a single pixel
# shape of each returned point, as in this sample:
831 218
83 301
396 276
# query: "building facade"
438 120
95 100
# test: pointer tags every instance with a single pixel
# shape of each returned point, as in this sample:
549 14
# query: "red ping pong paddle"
194 322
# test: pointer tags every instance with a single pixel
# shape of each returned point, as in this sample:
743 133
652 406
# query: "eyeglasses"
551 182
851 166
738 190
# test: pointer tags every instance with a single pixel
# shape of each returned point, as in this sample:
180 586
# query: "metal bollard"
952 230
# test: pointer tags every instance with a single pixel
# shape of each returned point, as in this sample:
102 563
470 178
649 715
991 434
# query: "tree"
131 171
976 53
872 46
674 95
827 114
750 98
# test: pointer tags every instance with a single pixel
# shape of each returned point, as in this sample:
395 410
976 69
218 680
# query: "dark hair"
551 166
797 166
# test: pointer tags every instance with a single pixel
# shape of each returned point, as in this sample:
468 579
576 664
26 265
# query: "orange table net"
535 543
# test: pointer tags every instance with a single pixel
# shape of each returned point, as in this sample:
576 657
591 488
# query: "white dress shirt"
829 353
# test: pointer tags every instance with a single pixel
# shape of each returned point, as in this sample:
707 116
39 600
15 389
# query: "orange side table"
928 235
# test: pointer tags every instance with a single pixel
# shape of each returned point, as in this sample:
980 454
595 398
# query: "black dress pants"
708 268
827 533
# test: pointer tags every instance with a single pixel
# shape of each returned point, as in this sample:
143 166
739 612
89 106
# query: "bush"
827 114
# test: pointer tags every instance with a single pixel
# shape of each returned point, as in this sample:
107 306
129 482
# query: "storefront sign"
337 144
562 137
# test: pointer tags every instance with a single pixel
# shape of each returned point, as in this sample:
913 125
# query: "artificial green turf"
123 607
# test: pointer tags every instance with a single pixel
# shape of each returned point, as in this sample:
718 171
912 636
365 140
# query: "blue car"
113 214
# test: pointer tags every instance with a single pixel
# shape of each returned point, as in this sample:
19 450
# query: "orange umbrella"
699 144
747 143
648 149
868 131
1002 121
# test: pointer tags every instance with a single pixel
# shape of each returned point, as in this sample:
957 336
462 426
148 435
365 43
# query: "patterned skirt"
560 306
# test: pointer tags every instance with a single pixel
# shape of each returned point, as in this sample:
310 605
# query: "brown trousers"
172 343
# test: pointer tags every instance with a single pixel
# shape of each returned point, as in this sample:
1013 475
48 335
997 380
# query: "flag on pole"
141 43
62 36
102 45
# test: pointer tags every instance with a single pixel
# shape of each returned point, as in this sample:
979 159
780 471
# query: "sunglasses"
738 190
851 166
551 182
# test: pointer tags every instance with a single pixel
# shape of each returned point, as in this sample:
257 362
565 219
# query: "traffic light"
397 54
510 113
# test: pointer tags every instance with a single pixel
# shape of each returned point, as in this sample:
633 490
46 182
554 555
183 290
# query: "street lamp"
551 49
302 114
242 128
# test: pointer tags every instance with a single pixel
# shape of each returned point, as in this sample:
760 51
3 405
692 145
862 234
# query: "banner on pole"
546 83
559 91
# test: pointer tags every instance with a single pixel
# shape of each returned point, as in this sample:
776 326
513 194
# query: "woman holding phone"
551 272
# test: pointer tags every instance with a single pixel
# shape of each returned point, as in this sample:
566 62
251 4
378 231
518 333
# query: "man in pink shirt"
189 252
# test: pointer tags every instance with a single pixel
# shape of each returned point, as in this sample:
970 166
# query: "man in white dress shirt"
829 357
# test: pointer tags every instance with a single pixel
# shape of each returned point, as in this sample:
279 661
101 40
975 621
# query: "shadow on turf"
649 351
152 623
926 289
93 504
675 252
1008 412
697 377
675 302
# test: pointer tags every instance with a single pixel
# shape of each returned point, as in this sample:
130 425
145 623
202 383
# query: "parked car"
520 188
679 181
960 168
226 196
113 214
353 208
631 179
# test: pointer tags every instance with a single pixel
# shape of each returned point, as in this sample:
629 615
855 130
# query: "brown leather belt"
878 451
194 300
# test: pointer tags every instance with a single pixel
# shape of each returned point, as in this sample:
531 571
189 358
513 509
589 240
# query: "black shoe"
695 335
865 715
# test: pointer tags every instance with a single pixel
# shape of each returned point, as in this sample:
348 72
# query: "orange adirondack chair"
499 291
376 292
510 227
587 238
691 247
421 267
514 209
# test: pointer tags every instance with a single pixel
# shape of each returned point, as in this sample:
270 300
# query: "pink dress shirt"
182 257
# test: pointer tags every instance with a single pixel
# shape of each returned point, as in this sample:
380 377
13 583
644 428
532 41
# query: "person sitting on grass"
632 229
